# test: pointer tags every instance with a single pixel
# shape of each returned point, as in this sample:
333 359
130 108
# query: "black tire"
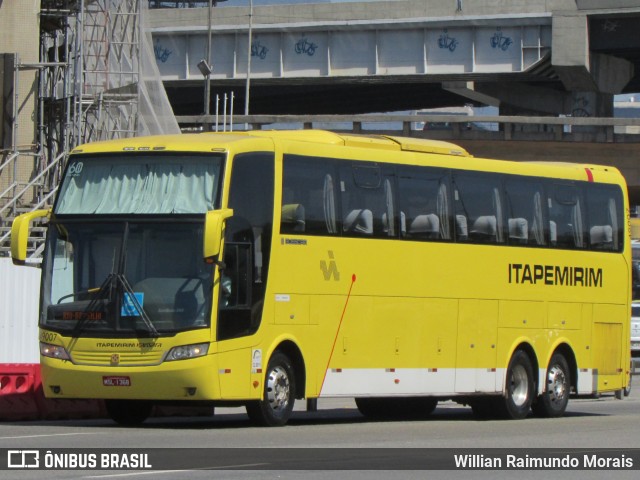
627 389
278 396
553 402
128 412
518 397
396 407
372 407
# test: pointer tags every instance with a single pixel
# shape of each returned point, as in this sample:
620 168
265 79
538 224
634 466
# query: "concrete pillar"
591 104
579 69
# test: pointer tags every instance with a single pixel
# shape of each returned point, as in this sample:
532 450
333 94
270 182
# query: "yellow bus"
257 268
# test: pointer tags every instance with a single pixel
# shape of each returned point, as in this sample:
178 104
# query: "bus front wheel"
518 396
553 402
274 409
128 412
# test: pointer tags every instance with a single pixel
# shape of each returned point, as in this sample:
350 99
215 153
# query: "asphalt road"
339 443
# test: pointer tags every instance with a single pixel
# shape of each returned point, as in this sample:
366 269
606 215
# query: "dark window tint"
367 199
478 208
566 216
375 200
605 218
524 212
247 245
309 196
423 202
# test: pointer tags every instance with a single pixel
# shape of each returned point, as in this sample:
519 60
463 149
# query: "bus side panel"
234 373
608 356
477 340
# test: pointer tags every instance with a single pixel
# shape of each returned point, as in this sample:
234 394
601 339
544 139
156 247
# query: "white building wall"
19 299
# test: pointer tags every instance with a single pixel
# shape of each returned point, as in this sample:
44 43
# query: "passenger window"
523 208
308 196
478 208
566 217
368 201
605 218
423 204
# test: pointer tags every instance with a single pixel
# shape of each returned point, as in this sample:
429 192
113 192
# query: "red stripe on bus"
589 174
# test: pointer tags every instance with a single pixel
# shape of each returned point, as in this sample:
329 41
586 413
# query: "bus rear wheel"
274 409
553 402
518 397
128 412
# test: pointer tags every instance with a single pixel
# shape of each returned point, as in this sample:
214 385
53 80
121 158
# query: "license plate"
116 381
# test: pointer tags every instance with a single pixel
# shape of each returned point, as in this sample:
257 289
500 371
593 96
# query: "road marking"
52 435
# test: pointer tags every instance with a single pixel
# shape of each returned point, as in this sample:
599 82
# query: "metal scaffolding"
95 83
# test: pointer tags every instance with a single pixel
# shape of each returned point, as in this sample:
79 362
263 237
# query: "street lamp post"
207 77
205 64
246 90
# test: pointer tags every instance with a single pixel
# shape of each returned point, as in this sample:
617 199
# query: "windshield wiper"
106 293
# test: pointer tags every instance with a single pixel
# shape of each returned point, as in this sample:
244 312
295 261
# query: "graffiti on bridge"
162 54
581 107
305 46
501 41
447 42
259 50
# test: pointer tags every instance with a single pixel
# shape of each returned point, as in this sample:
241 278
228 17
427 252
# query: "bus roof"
199 141
222 141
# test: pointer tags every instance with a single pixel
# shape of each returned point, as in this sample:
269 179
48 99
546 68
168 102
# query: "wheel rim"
556 384
278 389
519 387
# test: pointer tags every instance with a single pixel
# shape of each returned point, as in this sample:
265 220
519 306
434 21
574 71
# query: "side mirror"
20 234
214 231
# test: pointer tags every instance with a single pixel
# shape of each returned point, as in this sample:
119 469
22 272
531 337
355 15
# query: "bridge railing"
470 127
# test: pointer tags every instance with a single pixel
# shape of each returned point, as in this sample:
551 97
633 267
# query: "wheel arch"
293 352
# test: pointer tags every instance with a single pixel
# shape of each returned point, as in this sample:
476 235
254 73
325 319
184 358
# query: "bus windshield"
140 184
128 278
124 250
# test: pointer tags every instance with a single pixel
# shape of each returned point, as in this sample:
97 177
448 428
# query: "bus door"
243 274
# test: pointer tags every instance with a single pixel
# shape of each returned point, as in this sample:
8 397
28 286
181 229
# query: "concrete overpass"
542 57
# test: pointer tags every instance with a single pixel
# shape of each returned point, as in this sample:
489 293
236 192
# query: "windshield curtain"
140 184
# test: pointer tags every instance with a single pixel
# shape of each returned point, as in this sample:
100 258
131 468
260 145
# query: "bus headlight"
53 351
187 351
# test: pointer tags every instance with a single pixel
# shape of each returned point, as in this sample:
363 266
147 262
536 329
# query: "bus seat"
425 226
484 228
293 218
461 227
519 230
553 232
601 236
359 221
